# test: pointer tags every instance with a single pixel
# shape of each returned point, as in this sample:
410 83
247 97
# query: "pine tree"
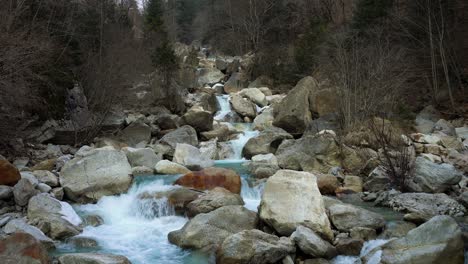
370 12
154 17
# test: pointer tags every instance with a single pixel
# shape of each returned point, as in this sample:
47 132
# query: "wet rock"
263 166
243 106
426 204
254 246
191 157
141 157
94 173
92 220
178 199
266 142
291 199
20 226
210 178
312 244
349 246
345 217
92 258
212 200
208 231
169 167
9 173
209 76
221 132
22 248
59 216
437 241
83 242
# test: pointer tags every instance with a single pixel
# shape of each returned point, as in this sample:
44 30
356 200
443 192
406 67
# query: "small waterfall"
150 208
224 107
251 194
136 225
368 247
239 143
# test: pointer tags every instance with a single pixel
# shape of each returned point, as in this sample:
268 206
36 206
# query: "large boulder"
141 157
20 226
320 152
199 119
345 216
170 168
426 204
191 157
264 120
22 248
292 198
137 134
183 135
432 177
293 114
437 241
209 76
212 200
324 101
254 95
92 258
210 178
312 244
208 231
9 174
266 142
94 173
254 246
62 220
243 106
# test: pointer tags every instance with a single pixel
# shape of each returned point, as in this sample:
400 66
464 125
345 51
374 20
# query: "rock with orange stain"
22 248
210 178
9 174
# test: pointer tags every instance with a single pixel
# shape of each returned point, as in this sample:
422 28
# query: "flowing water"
138 228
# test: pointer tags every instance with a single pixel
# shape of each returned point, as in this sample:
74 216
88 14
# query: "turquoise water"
131 229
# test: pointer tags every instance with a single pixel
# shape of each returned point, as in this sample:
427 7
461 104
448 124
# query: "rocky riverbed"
245 175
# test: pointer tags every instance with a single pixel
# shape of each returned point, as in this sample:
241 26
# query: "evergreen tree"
154 17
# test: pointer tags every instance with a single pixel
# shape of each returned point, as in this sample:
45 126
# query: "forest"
233 131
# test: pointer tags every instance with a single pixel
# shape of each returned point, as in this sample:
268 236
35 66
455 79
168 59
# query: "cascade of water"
224 107
368 247
137 226
251 194
239 143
